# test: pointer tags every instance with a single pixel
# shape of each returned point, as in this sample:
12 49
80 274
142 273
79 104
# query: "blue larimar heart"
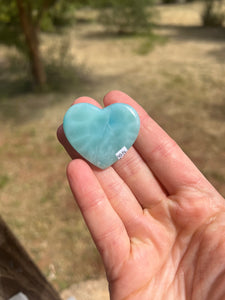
101 136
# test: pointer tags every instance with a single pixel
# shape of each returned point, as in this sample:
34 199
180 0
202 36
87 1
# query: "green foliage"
48 14
126 16
60 15
213 13
10 33
169 1
21 22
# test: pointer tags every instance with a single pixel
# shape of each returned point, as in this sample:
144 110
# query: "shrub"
213 13
169 1
126 16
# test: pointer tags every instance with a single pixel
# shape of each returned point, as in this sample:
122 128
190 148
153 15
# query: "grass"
149 42
4 179
181 83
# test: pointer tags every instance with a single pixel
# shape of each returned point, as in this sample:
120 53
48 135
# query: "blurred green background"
169 56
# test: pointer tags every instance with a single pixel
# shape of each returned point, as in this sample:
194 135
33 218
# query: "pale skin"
157 222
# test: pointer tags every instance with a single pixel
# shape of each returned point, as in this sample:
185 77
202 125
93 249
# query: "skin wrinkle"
152 206
107 235
133 218
135 147
114 270
166 147
116 190
137 242
148 214
175 267
196 185
185 204
112 273
196 275
98 200
132 295
164 211
154 236
180 284
144 125
199 236
219 280
113 282
210 216
136 292
166 291
180 266
196 255
131 165
130 169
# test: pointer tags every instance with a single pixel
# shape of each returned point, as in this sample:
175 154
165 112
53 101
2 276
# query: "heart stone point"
101 136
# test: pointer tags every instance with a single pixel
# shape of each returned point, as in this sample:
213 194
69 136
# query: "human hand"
158 224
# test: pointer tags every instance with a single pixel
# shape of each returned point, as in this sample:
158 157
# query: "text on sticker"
121 152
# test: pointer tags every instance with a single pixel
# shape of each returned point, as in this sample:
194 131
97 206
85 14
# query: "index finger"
162 154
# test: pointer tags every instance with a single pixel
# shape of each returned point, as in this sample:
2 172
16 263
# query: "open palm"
157 222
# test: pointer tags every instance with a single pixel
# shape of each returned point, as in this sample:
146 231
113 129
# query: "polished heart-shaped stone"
101 136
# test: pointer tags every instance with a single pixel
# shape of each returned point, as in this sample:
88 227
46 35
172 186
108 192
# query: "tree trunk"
31 32
18 273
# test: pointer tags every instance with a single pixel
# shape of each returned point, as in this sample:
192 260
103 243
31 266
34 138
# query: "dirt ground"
180 82
88 290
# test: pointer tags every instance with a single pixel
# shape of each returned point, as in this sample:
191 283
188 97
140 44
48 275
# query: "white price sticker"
121 153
